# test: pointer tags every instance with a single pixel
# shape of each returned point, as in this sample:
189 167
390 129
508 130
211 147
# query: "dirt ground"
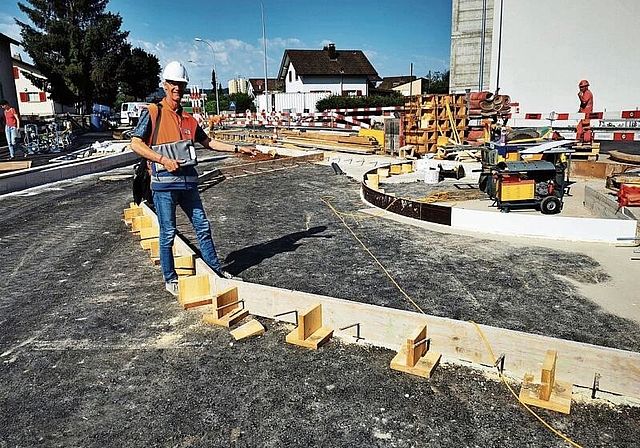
95 353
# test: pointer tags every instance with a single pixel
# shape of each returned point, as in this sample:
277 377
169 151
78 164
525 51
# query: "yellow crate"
516 191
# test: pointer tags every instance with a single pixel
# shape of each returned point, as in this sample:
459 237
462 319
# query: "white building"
537 52
238 85
339 72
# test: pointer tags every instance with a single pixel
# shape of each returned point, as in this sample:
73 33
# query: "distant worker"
176 185
11 126
583 130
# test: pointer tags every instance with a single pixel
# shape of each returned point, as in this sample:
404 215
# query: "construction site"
452 272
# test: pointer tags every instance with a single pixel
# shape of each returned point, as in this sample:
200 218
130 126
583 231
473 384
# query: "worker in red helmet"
583 130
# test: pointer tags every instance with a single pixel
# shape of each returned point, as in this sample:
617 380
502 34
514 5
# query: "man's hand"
247 150
171 164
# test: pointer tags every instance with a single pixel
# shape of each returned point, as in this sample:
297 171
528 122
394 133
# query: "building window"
296 76
290 76
16 73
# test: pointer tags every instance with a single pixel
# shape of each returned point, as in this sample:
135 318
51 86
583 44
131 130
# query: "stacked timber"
330 141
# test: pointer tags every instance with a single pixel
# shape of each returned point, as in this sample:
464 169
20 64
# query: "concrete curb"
34 177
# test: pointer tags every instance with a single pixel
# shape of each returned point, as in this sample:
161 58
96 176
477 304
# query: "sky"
392 34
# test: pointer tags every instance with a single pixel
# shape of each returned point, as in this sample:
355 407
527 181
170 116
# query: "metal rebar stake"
499 364
423 341
596 385
227 305
287 312
357 325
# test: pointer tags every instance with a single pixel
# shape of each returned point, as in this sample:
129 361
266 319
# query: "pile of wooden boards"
330 141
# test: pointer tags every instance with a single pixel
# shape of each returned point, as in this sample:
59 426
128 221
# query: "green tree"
139 74
437 82
78 47
243 102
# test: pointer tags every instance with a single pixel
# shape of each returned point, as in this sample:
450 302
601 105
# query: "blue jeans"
190 202
11 133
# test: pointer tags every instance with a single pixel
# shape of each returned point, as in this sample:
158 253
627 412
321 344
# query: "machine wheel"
550 205
483 182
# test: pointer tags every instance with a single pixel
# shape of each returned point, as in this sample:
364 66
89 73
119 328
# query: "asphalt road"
95 353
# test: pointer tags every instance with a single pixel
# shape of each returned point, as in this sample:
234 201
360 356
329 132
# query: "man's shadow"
239 260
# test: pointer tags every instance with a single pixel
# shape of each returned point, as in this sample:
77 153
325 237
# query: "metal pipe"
499 49
482 44
264 45
214 80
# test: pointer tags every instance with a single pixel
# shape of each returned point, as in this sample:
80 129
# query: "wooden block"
228 319
315 340
17 165
194 291
383 172
424 366
559 399
395 169
310 333
226 308
184 265
407 168
549 393
129 213
251 328
372 181
148 242
149 232
139 222
548 376
309 322
415 352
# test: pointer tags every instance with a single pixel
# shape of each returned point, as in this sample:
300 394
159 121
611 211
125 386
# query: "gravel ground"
94 352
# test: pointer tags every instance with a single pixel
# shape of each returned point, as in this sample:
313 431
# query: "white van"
130 112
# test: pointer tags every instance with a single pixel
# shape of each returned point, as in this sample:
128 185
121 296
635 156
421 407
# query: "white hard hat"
175 71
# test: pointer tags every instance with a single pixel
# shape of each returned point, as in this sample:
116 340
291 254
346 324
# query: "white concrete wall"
547 47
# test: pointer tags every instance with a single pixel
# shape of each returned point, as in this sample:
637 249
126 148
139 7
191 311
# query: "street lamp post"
264 45
214 81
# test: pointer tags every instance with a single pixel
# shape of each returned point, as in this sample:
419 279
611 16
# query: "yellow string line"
504 380
486 342
332 208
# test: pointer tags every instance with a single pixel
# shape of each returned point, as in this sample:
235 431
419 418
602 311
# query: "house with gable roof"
338 72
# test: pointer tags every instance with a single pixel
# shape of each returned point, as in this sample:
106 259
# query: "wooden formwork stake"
140 222
372 181
549 393
133 210
415 356
226 308
383 173
194 291
251 328
147 235
184 265
310 333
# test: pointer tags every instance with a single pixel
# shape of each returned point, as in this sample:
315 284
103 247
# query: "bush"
352 102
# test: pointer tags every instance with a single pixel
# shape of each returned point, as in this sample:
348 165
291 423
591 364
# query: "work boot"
228 275
172 287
